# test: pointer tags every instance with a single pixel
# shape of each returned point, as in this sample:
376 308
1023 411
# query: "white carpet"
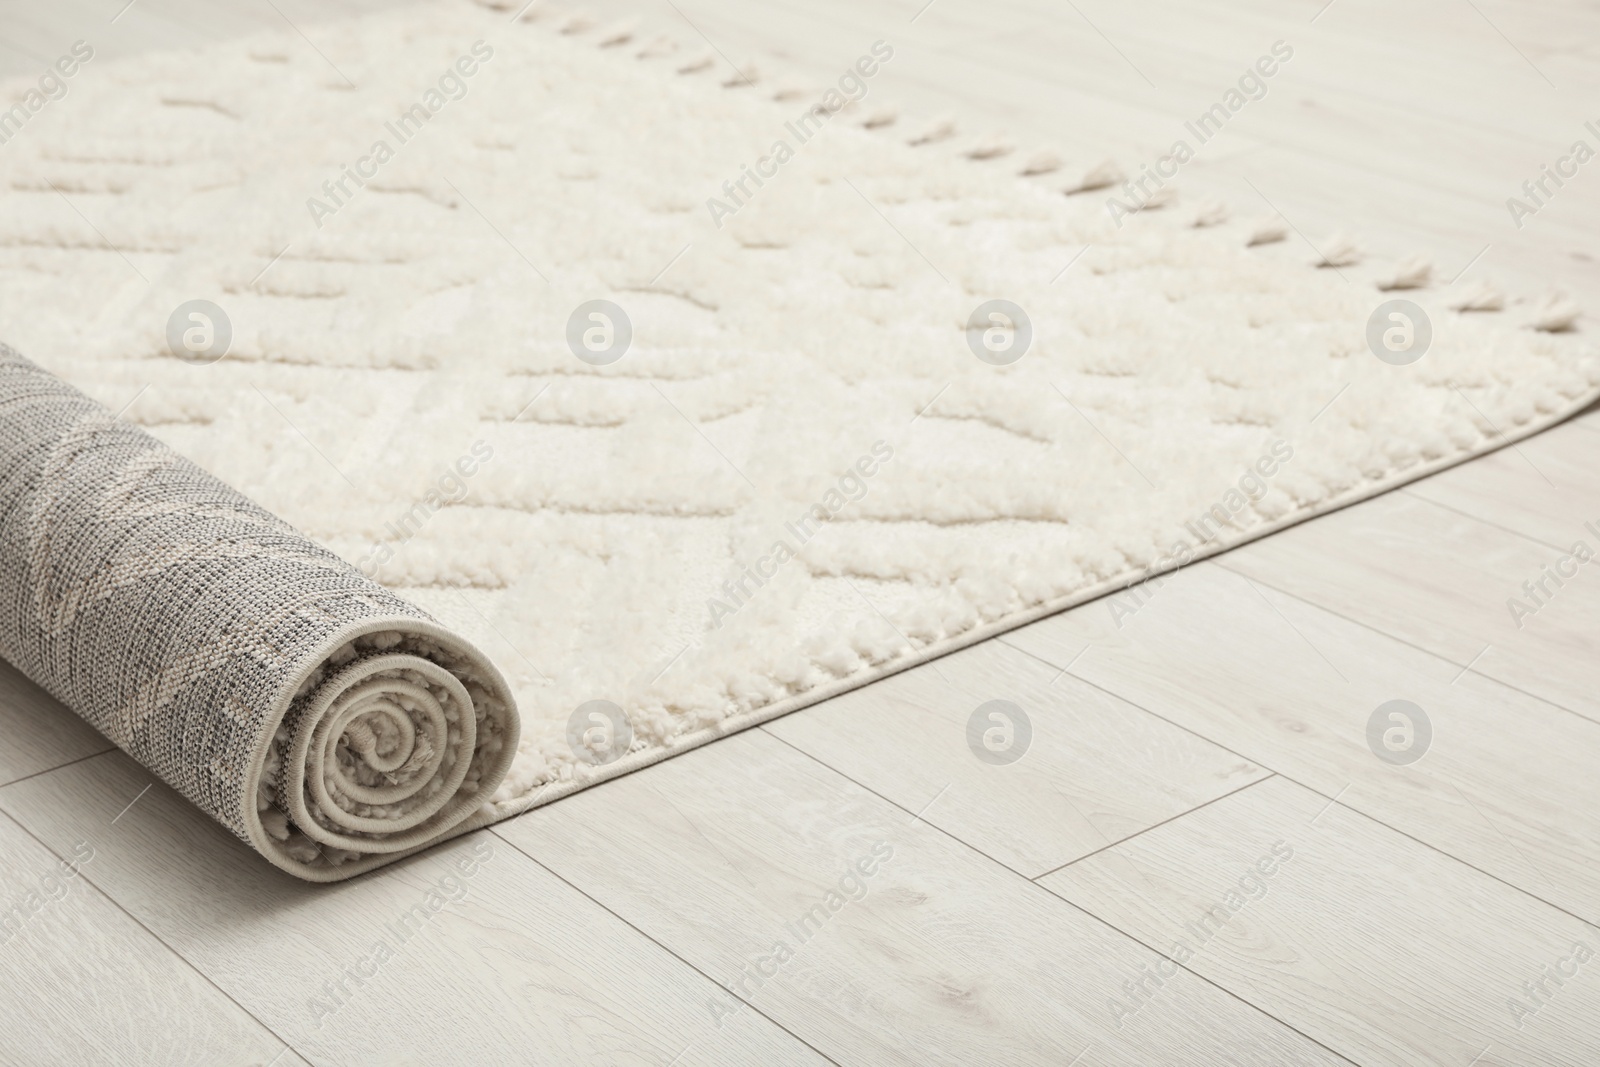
398 382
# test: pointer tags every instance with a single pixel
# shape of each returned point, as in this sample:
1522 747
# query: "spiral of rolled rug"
330 724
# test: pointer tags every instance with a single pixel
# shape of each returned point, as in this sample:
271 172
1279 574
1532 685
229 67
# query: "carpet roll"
330 724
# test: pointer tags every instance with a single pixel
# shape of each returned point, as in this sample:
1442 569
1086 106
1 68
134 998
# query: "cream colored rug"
692 396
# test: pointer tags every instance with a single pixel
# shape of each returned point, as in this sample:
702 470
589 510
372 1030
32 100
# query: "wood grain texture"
942 957
503 964
1504 783
1388 951
40 732
1095 769
1442 580
1546 488
82 983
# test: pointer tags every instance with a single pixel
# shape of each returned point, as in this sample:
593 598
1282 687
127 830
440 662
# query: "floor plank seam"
57 767
1248 1003
1464 668
1173 818
630 925
916 816
114 902
1407 491
1133 703
1334 799
1056 896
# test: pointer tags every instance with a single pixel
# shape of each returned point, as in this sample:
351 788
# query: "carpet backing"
324 720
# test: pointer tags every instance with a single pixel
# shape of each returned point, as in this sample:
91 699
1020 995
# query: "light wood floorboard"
512 965
944 958
82 983
1094 770
1547 488
1442 581
1384 949
1502 783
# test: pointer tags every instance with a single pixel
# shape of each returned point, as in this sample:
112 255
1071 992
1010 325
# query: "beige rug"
685 394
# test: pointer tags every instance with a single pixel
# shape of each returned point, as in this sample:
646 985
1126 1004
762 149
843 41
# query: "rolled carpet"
330 724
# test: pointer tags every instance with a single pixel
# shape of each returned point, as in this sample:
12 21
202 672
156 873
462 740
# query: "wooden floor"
1200 860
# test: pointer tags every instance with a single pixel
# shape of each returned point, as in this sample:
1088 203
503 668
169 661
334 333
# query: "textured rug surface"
796 445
